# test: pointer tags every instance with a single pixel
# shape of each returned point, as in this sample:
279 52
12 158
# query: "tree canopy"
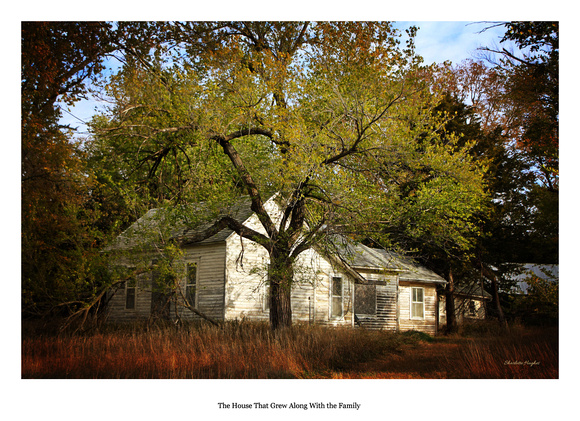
513 118
340 119
58 58
334 117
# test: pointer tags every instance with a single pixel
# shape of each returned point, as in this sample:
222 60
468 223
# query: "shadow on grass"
250 350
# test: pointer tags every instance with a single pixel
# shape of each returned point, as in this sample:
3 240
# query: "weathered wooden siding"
305 289
246 280
232 284
210 260
246 291
245 269
116 305
385 316
462 310
312 294
428 323
246 273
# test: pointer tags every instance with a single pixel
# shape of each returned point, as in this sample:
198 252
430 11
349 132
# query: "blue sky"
436 41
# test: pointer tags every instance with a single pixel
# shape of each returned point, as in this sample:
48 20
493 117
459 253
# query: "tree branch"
361 130
251 187
310 238
194 310
234 225
300 38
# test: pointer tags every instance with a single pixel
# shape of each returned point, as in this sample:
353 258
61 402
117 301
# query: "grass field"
246 350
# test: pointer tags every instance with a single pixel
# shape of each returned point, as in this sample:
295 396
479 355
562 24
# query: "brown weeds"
519 354
246 350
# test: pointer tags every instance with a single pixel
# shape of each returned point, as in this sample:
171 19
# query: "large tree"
58 58
530 95
333 117
524 109
514 95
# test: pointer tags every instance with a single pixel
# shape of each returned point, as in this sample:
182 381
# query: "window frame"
413 302
266 298
333 297
188 284
131 284
472 308
372 286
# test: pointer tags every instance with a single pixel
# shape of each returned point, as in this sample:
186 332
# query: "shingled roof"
240 211
354 256
473 290
149 229
360 257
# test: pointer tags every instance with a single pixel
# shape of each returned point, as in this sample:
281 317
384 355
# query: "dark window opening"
130 294
365 299
336 304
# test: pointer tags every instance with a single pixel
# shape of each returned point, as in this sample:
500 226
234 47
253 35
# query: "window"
417 303
365 298
191 284
130 294
266 296
471 308
159 293
336 304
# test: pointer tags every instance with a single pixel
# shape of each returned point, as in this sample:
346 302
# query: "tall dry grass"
234 350
522 353
249 350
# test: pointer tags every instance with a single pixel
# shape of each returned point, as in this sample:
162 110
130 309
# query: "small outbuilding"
470 303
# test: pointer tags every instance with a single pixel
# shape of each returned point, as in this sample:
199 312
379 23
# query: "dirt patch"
527 356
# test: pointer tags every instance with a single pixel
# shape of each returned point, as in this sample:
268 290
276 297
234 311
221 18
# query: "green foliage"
533 94
61 266
540 36
334 117
339 118
526 183
540 305
417 336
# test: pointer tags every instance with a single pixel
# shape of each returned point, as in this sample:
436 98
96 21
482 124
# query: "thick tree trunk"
495 289
500 316
280 277
450 305
280 308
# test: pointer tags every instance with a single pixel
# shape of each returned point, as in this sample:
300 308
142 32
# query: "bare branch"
183 302
234 225
251 187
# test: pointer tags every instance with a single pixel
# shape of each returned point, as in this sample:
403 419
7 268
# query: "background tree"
516 102
435 245
310 111
58 58
533 92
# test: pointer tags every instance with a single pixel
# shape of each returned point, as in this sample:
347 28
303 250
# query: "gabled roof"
354 257
473 290
159 222
547 272
361 258
240 211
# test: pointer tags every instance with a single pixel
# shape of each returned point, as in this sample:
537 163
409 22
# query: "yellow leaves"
332 113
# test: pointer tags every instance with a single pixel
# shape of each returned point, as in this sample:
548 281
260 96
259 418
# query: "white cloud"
438 41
